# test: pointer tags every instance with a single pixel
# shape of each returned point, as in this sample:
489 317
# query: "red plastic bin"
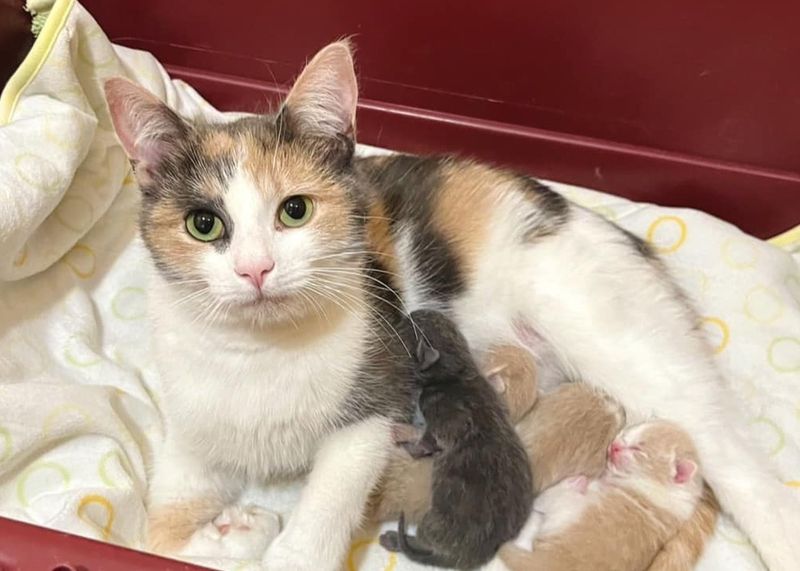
674 102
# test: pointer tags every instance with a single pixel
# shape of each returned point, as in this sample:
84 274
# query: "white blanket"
79 416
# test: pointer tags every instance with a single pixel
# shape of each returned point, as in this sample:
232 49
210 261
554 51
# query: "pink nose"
256 272
614 450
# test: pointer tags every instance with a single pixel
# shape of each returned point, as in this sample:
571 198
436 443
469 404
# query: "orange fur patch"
567 433
683 551
218 144
170 527
380 238
516 368
463 208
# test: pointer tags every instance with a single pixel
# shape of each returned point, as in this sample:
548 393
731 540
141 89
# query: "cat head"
658 452
257 219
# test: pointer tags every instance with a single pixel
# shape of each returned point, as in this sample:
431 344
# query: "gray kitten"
482 490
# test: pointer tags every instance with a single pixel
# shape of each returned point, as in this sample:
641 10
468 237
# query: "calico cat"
481 479
280 261
650 488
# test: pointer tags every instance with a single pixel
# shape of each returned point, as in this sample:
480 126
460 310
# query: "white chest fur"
245 401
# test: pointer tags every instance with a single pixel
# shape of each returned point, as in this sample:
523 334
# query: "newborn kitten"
621 520
406 484
568 432
481 476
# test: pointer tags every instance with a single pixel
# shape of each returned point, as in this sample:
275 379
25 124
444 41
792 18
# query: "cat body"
481 479
282 261
621 520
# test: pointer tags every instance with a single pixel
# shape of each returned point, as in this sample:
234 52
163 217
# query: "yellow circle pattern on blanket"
362 544
81 260
667 234
22 482
763 305
718 332
38 173
57 414
129 304
21 258
784 354
108 508
75 213
79 353
780 437
739 254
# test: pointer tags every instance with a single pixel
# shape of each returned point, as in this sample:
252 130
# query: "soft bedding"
79 396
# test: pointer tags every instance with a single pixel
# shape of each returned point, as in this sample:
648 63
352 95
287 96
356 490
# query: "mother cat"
275 252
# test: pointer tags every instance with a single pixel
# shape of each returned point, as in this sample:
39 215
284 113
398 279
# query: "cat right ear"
322 102
426 355
148 130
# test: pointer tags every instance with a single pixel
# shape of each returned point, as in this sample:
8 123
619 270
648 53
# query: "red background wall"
680 102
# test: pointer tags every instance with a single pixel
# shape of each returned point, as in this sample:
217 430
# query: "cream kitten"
619 521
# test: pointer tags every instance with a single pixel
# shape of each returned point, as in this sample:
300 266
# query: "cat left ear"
426 355
322 102
148 130
684 471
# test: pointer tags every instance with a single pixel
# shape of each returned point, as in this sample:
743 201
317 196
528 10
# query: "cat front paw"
239 532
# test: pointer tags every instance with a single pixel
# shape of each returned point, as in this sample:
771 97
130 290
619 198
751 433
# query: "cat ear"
496 380
148 130
322 102
426 355
684 471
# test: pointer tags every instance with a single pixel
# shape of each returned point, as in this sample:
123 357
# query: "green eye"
295 211
204 225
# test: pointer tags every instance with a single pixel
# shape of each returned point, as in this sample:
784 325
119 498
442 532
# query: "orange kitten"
620 521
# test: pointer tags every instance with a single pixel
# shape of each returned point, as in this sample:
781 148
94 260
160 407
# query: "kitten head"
511 371
258 219
658 452
442 351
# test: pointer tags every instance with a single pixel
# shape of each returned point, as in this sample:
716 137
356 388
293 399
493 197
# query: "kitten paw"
239 532
390 541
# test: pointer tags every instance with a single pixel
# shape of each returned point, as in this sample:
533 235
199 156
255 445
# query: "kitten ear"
496 380
684 471
426 355
322 102
148 130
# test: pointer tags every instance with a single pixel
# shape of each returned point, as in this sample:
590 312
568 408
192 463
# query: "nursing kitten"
567 433
405 487
621 520
481 486
280 260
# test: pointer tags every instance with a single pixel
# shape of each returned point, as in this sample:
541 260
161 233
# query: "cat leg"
184 496
346 468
